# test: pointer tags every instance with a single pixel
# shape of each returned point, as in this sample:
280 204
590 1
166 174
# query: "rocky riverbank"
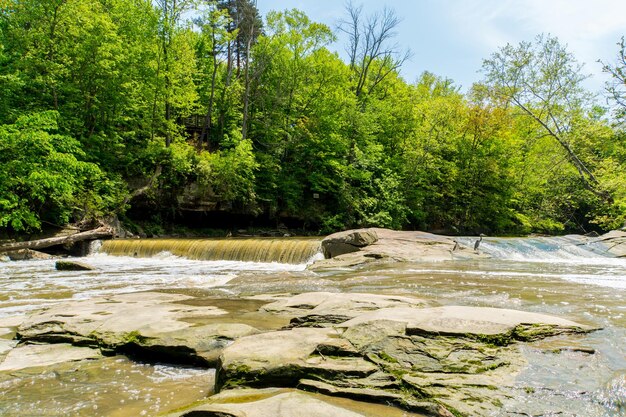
375 245
329 353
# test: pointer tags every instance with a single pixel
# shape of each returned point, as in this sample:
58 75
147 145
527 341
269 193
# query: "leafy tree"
211 50
298 93
265 119
544 81
174 56
45 179
617 86
229 176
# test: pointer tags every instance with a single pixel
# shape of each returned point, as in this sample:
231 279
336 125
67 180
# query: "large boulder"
346 242
356 247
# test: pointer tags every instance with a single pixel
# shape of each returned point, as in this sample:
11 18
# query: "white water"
568 258
541 249
28 285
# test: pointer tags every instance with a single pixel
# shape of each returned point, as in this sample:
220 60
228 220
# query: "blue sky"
451 37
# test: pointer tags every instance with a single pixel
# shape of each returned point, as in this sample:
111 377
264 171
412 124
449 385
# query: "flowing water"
559 276
290 251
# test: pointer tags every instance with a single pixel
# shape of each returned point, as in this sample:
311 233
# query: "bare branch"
372 55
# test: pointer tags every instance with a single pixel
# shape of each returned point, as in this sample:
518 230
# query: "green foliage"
228 176
44 178
183 105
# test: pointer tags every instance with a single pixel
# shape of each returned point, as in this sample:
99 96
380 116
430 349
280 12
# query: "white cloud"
590 29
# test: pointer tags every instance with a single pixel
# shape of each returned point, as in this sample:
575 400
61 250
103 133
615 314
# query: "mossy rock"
73 266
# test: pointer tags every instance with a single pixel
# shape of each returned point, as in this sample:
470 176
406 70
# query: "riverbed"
578 286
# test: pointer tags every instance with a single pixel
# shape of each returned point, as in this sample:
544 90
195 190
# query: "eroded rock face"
439 361
393 350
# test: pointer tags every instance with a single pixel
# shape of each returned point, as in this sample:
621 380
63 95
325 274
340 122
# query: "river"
547 275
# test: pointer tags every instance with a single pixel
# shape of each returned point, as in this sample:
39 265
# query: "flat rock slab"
284 357
274 402
149 313
438 361
155 324
461 320
319 308
30 356
616 242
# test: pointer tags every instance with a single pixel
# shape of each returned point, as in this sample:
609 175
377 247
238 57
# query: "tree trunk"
246 96
98 233
208 122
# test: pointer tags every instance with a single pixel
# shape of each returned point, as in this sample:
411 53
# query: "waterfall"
287 250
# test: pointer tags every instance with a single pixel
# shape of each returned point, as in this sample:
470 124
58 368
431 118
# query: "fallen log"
99 233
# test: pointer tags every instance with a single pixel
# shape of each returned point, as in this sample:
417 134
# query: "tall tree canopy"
157 110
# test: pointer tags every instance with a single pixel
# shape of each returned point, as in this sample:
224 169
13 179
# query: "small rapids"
30 285
571 248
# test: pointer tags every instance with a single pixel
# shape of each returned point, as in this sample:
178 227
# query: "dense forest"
166 110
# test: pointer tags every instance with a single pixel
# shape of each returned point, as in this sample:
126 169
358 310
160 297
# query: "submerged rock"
73 266
30 356
614 394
